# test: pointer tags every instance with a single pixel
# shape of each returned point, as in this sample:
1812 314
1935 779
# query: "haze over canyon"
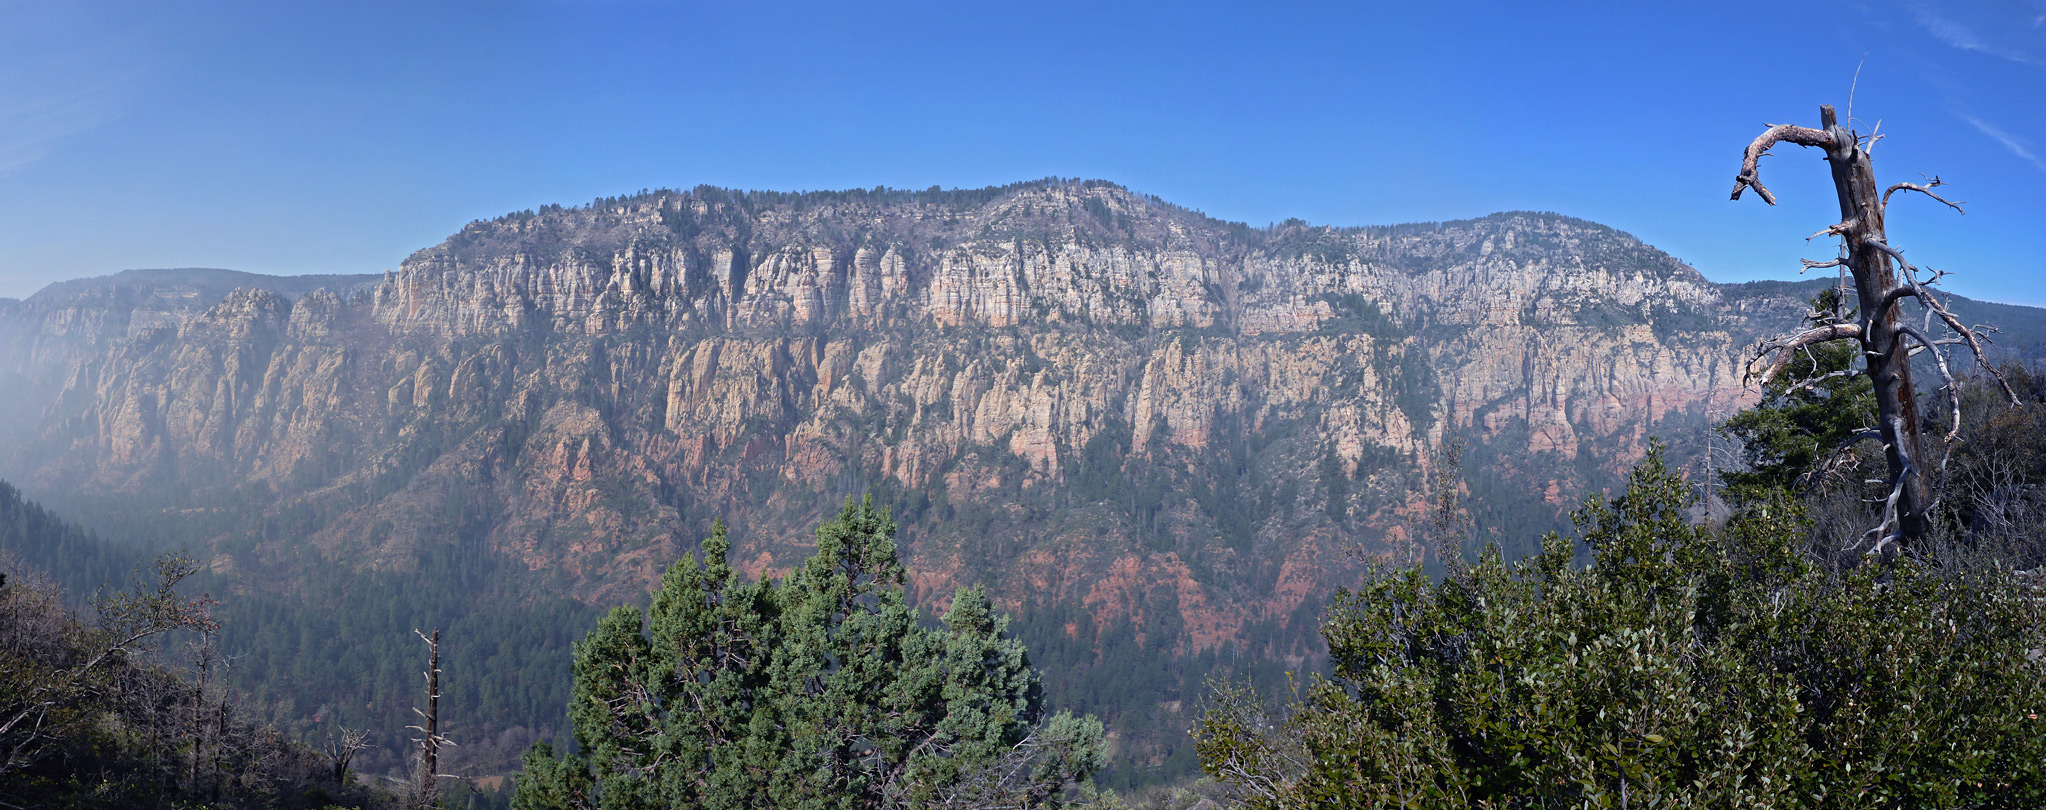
1151 433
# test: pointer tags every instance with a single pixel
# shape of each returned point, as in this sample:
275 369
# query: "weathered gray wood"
1875 264
429 747
1889 364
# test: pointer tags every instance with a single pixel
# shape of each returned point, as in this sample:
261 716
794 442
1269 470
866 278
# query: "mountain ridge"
1153 434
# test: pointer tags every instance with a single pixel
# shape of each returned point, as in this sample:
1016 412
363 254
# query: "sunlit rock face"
1084 396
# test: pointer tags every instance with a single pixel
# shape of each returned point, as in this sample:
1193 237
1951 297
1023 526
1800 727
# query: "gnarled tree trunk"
1889 361
1885 338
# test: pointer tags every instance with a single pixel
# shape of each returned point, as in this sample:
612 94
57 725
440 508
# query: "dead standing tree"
430 740
1882 280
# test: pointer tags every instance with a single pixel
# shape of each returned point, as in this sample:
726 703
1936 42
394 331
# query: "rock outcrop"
1073 391
1127 417
1222 407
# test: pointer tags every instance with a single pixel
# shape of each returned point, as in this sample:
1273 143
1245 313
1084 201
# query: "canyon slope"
1137 424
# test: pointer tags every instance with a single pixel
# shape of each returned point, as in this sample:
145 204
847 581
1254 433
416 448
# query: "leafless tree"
58 664
1882 279
205 654
430 739
342 744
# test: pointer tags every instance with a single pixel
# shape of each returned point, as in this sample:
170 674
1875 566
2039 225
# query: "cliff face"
1086 397
1082 395
1162 440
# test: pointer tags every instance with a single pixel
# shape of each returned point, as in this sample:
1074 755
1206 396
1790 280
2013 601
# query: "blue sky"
339 137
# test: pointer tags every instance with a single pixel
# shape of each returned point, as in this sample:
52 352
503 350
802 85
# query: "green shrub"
1684 667
821 691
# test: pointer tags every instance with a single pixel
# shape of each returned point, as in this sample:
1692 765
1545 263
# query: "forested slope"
1155 436
97 707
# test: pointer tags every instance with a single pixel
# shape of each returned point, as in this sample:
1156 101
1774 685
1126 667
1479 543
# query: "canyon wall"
1070 390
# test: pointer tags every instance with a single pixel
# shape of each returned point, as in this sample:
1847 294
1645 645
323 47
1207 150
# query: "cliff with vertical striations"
1118 412
612 375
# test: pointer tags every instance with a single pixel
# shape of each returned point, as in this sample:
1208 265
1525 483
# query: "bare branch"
1891 298
1933 303
1926 190
1813 381
1836 229
1750 175
1888 531
1945 374
1822 317
1917 350
1832 461
1785 348
1812 265
1892 528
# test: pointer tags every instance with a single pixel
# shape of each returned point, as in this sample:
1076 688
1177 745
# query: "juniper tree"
824 690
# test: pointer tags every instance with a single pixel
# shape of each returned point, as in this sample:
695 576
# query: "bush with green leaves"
1683 667
824 690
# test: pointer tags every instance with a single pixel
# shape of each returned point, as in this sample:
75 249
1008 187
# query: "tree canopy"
1807 419
824 690
1686 666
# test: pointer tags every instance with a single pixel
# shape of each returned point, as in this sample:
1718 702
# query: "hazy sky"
339 137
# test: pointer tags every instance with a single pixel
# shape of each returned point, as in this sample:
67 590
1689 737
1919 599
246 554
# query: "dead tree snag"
430 739
1882 280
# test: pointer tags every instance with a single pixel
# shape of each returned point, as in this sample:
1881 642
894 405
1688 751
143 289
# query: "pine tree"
1809 418
823 691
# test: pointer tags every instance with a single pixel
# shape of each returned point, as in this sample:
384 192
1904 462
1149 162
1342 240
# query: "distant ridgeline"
1160 439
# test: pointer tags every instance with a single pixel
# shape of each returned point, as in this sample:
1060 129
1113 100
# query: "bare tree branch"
1814 381
1783 348
1888 531
1833 458
1891 298
1925 190
1933 304
1946 375
1750 175
1836 229
342 744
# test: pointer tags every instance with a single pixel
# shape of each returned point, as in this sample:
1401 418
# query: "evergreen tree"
823 691
1685 667
1807 418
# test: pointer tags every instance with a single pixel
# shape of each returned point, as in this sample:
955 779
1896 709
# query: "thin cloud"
64 69
31 127
2016 145
1957 34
